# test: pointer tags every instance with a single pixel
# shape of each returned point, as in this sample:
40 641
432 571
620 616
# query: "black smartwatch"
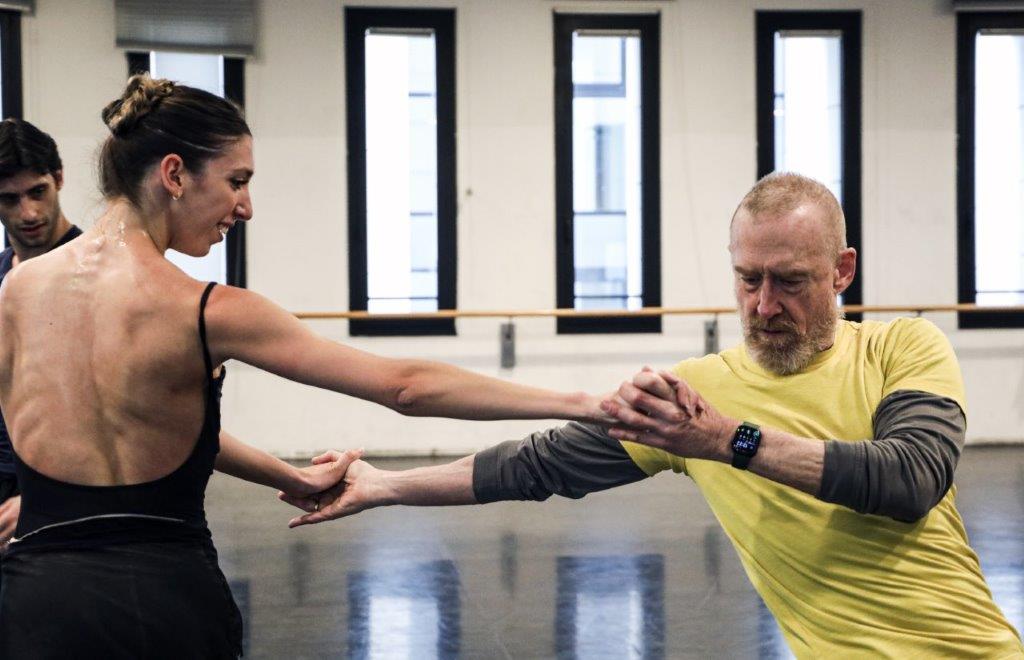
745 442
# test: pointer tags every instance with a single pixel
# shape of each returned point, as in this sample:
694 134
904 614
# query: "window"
223 76
400 77
808 107
990 165
607 169
10 70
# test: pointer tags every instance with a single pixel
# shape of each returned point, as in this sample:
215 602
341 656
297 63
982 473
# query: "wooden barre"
968 308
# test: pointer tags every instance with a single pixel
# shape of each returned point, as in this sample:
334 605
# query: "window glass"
808 106
401 172
999 169
607 181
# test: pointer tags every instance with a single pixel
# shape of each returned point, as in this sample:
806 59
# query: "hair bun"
141 97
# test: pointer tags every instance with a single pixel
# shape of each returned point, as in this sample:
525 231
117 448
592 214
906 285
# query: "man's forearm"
901 473
244 462
789 460
437 485
570 461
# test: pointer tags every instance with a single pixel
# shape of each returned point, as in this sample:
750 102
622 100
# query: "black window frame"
968 25
442 22
10 57
10 73
234 90
649 28
849 23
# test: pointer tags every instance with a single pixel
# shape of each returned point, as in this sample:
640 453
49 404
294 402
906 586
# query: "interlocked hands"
356 489
661 410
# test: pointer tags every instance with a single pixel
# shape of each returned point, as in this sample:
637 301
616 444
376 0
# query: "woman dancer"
110 377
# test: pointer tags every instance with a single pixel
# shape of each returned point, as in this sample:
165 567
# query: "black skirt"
152 599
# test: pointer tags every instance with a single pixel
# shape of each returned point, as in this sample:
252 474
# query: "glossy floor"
640 572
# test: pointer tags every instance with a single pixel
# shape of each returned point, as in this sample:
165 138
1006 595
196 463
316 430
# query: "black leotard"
50 508
120 571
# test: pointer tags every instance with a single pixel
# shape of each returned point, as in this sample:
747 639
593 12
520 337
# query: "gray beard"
796 352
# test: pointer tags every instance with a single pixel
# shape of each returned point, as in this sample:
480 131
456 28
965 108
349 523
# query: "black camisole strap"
202 328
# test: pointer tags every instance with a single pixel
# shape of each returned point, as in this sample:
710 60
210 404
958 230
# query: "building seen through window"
607 203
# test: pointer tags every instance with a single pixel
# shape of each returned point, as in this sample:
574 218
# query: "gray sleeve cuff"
841 480
487 471
907 468
570 461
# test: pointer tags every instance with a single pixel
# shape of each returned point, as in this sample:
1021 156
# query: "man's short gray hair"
783 192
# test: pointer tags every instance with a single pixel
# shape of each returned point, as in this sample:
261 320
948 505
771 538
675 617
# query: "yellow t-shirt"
844 584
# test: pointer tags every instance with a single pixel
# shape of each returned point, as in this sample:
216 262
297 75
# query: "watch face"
746 440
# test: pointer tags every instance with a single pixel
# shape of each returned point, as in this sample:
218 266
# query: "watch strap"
741 461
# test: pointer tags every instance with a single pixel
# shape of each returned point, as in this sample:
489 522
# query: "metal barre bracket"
507 339
711 336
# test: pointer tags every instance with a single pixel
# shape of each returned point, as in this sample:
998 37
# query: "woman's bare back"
101 367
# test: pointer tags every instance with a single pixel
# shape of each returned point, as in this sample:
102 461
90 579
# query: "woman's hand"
361 487
326 471
594 411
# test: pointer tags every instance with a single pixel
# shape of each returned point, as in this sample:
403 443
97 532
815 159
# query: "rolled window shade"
227 27
988 5
27 6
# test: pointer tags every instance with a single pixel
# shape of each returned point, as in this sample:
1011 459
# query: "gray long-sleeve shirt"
901 473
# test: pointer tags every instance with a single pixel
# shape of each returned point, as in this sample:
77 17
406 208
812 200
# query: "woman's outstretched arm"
250 464
245 326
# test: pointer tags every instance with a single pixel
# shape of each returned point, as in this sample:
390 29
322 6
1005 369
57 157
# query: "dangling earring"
176 197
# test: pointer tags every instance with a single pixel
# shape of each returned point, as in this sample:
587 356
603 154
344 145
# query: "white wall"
297 252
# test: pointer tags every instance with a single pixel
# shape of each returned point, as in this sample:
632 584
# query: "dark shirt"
6 263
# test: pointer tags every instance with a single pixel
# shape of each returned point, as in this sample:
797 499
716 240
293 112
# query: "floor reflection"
611 607
240 590
999 541
509 562
772 644
300 571
410 611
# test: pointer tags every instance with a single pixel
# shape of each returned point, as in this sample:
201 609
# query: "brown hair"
25 148
783 192
154 118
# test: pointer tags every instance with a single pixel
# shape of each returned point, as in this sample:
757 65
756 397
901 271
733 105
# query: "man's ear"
58 178
846 269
